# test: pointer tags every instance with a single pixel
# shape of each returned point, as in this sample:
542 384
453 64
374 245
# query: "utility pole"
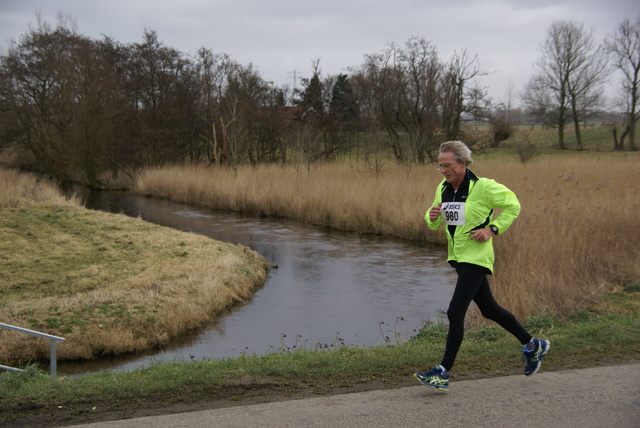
295 82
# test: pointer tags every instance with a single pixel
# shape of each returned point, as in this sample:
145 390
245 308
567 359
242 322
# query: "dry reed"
346 197
577 235
24 189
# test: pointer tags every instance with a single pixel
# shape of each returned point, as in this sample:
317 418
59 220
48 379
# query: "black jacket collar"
450 195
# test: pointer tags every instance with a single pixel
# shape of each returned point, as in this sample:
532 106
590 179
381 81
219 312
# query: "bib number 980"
450 216
453 213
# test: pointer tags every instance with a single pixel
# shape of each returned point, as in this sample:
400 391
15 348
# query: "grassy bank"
576 237
107 283
604 334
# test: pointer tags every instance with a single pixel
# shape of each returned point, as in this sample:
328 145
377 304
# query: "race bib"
453 213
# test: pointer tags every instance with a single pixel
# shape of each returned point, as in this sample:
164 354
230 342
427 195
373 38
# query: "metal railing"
53 355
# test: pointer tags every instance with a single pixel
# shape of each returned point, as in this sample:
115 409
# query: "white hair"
459 150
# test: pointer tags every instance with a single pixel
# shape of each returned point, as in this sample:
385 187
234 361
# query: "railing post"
53 357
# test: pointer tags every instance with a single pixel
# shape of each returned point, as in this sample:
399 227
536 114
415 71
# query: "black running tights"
472 284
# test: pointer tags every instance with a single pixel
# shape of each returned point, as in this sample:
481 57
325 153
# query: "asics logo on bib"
450 206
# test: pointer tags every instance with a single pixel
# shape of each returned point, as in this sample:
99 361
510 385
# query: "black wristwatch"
494 229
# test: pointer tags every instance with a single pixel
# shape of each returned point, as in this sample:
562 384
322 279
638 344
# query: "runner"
465 203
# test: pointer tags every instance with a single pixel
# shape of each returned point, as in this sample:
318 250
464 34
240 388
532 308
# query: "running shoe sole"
444 387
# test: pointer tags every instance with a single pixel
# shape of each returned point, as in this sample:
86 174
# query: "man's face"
453 171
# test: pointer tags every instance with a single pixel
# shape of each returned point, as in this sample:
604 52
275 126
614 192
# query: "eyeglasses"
444 166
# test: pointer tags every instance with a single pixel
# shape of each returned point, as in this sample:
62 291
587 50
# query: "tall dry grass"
341 196
577 235
23 189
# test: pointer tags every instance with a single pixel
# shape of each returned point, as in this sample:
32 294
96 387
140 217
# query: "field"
576 237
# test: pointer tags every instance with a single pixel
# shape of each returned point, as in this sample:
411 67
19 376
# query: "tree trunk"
623 136
576 126
632 132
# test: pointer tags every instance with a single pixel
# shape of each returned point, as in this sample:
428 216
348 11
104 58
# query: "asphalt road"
596 397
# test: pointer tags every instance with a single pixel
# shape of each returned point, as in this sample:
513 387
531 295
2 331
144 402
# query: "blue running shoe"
534 357
437 377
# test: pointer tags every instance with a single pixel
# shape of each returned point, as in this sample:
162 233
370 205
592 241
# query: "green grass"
50 251
583 339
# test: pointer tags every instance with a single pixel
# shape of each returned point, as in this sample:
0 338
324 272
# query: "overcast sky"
280 37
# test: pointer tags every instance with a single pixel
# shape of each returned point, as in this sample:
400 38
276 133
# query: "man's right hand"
435 212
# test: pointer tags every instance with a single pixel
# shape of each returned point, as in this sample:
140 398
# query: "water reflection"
330 287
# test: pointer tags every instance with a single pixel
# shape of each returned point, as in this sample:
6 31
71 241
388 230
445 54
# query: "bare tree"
460 71
308 139
479 104
74 108
318 99
163 92
272 127
58 89
624 44
210 78
572 69
375 156
236 123
241 101
376 85
590 69
399 88
540 105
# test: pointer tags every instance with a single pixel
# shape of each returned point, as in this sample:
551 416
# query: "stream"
330 289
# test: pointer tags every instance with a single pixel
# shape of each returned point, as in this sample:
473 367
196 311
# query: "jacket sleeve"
434 225
499 196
